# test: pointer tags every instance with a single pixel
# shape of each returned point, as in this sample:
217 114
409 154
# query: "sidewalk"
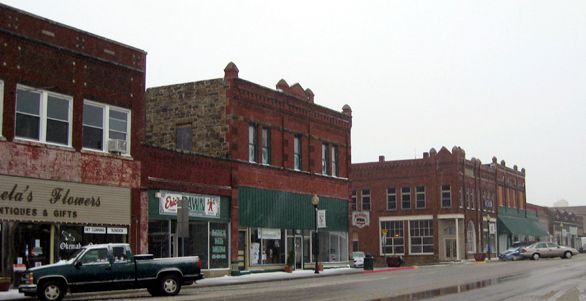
244 279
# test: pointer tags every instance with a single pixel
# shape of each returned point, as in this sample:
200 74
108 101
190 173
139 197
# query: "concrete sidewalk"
243 279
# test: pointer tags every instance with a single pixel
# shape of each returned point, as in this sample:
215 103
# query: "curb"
390 270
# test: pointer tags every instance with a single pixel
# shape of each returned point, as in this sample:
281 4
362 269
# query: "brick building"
279 149
440 207
70 107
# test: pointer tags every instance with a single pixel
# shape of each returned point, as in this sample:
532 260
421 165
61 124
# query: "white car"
357 259
547 249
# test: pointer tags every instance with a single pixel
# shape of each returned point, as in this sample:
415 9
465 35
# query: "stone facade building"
441 207
70 122
274 150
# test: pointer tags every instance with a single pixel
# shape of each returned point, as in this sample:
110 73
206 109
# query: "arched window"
470 238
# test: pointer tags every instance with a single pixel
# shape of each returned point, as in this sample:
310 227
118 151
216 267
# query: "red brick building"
440 207
274 150
70 122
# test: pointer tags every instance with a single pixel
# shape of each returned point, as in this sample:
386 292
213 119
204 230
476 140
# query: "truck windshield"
75 255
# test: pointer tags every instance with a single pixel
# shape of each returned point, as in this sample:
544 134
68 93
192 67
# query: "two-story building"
279 149
70 123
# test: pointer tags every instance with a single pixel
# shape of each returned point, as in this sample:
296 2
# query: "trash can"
368 263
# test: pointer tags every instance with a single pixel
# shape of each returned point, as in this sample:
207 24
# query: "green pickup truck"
110 267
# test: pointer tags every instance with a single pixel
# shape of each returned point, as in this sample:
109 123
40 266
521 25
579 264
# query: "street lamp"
315 202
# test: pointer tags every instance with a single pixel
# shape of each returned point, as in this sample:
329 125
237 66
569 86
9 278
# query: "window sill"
421 254
43 144
106 154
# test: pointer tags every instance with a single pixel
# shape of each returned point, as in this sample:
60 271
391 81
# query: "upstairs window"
391 199
106 128
252 140
365 199
406 198
297 152
335 168
446 196
43 116
183 138
420 197
266 146
324 158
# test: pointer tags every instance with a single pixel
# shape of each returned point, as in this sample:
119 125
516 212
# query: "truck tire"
169 285
51 291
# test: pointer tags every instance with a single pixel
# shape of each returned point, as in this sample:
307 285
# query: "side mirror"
78 264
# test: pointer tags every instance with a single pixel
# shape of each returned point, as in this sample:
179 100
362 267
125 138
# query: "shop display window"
159 239
267 246
333 246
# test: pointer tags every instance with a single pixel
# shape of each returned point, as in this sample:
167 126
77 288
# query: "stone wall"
201 105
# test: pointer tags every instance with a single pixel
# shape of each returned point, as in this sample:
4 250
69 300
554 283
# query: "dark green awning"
521 225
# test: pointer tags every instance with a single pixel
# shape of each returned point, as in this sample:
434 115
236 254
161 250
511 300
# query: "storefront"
518 225
273 223
45 221
208 234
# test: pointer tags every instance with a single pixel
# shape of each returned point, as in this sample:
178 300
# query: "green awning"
521 225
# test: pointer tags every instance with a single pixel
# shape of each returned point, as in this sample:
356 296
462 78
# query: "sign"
218 245
268 233
492 228
199 205
360 219
321 218
116 230
26 199
94 230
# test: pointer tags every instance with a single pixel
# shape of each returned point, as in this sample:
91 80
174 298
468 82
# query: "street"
546 279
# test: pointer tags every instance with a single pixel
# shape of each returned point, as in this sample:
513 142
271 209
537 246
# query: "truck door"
123 268
93 271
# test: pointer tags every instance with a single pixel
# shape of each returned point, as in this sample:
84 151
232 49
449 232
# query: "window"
391 199
1 104
365 199
120 254
324 159
421 236
95 256
470 238
297 152
353 200
392 240
103 123
446 196
405 198
420 197
43 116
183 137
335 170
252 139
266 146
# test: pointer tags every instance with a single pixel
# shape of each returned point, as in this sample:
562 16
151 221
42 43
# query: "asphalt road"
546 279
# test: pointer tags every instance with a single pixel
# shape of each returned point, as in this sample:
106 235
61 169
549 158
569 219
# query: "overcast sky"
497 78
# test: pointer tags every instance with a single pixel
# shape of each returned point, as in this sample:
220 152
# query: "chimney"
231 71
381 158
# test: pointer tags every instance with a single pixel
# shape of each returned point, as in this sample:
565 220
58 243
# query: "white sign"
360 219
199 205
94 230
267 233
491 228
321 218
112 230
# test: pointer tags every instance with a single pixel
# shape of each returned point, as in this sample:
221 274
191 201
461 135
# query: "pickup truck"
110 267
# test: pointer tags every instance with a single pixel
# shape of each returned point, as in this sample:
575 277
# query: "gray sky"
498 78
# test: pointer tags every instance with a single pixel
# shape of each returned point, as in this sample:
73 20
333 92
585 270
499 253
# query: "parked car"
547 249
358 259
110 267
511 254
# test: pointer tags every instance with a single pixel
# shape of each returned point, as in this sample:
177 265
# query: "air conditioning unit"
117 146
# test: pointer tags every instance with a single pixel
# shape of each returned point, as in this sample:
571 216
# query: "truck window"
95 256
119 254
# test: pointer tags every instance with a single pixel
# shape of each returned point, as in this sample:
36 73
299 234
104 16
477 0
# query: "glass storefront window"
219 245
267 246
333 246
159 239
197 242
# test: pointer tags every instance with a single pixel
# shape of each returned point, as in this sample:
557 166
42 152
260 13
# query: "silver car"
547 249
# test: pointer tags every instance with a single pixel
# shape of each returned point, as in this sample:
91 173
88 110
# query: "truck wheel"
51 291
169 285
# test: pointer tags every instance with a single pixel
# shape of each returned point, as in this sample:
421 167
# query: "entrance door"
241 249
298 252
450 245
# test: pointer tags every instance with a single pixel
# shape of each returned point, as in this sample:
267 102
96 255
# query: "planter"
394 261
288 269
5 283
479 256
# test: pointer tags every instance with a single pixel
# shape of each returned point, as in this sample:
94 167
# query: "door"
450 249
298 252
123 268
92 272
554 250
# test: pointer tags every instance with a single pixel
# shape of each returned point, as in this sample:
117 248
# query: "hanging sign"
360 219
321 218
